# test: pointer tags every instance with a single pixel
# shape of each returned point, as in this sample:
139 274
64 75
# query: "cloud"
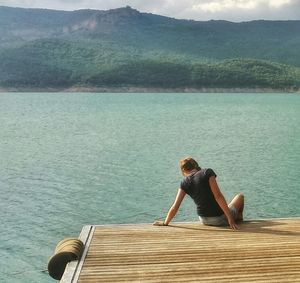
232 10
232 5
241 10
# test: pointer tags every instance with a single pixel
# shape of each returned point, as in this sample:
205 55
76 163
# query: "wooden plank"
261 251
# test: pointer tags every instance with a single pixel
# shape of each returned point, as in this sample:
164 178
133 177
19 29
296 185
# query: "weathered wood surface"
261 251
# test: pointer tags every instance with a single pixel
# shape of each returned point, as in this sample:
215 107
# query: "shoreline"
148 90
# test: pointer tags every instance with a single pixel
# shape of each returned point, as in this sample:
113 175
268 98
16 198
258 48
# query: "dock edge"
73 268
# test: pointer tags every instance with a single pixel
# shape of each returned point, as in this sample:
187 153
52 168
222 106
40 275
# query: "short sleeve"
184 185
209 173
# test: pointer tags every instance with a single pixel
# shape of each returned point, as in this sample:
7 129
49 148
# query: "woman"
201 186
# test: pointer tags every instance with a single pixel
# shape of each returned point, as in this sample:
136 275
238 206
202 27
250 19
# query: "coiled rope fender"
66 250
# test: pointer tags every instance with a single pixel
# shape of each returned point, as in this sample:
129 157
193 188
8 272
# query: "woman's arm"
221 201
173 210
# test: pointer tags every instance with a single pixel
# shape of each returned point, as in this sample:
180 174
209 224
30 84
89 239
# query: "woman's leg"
238 203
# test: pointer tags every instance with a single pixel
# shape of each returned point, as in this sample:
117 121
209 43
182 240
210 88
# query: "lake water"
69 159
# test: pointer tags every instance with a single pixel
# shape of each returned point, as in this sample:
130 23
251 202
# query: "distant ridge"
41 48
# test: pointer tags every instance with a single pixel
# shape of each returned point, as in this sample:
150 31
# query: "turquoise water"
69 159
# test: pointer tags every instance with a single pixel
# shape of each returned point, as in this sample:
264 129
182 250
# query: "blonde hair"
188 164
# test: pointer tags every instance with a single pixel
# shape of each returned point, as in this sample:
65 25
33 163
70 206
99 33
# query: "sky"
202 10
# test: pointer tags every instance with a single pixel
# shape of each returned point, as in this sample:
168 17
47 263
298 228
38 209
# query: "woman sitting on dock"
202 187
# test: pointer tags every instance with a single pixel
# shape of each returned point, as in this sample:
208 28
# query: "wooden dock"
260 251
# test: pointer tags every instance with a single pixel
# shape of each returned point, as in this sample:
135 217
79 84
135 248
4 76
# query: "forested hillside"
126 48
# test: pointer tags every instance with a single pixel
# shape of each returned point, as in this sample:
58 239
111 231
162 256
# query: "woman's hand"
159 223
173 210
232 223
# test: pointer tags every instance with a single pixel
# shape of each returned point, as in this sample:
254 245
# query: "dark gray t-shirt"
197 187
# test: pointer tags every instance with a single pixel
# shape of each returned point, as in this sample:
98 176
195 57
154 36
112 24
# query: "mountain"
126 48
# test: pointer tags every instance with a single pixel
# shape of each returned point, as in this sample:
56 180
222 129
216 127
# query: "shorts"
218 220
